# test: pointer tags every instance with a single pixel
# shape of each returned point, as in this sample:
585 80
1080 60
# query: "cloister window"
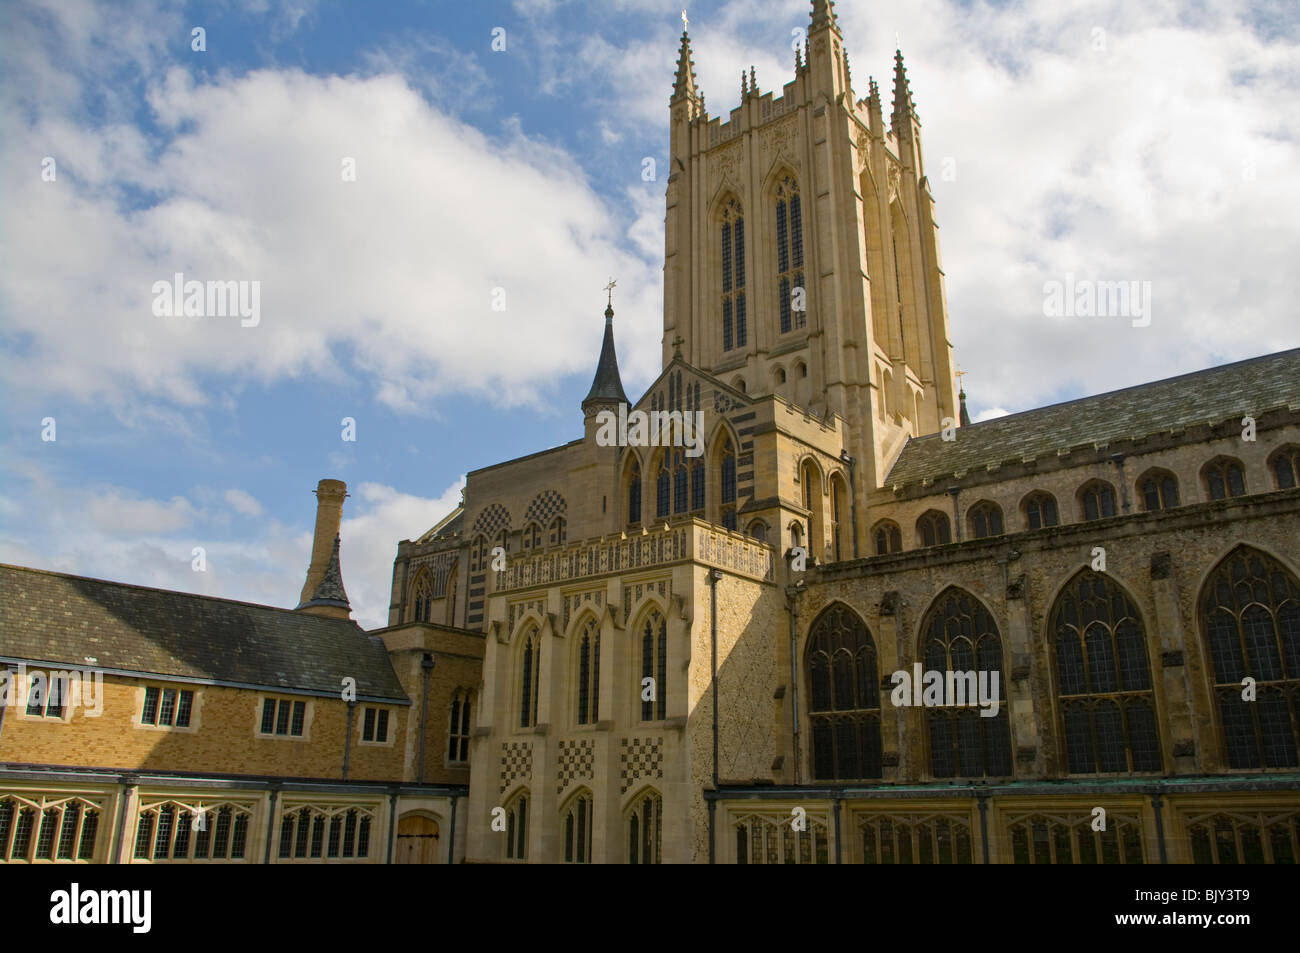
932 529
1245 837
458 735
985 519
1158 491
844 697
644 835
589 674
654 665
916 839
1040 510
577 829
310 833
48 828
772 839
1285 464
1071 838
1097 500
960 636
530 665
1250 614
789 255
1103 679
734 331
888 538
171 830
1224 478
517 828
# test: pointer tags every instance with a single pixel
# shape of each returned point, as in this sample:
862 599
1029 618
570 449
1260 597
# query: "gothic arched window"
589 674
634 494
985 519
577 829
422 597
654 666
1285 464
517 827
1250 614
1103 679
757 530
458 736
530 665
532 537
734 332
644 822
681 481
697 486
1158 490
932 529
1097 500
789 256
843 697
1224 478
559 531
959 639
663 492
478 554
1040 510
888 538
727 482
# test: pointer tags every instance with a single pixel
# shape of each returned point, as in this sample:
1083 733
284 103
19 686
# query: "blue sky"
1090 138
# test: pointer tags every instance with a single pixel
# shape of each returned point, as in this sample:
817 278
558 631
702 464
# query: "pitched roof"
53 617
1213 395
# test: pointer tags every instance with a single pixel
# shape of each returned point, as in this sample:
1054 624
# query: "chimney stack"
324 548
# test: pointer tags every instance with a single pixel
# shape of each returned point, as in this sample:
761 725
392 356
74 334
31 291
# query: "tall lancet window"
734 334
789 256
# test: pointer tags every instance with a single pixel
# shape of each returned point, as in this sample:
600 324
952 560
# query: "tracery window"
1070 839
932 529
530 665
654 665
48 828
888 538
1285 464
1224 478
843 697
789 255
422 597
1097 500
1158 491
589 674
171 830
916 839
734 330
1250 614
1041 510
517 827
771 839
634 494
577 829
985 520
959 636
644 829
1103 674
1245 837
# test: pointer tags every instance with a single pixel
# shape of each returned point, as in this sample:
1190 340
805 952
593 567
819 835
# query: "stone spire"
685 88
607 387
904 108
330 598
330 495
965 414
873 106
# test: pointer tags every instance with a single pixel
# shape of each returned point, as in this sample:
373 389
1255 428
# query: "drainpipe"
392 824
128 782
347 739
270 824
792 607
837 828
427 664
853 496
714 576
1118 460
1156 804
451 847
984 823
956 515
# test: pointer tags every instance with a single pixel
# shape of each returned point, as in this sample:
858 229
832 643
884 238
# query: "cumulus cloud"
243 502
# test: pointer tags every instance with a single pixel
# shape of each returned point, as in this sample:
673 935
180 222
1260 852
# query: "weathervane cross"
610 288
685 22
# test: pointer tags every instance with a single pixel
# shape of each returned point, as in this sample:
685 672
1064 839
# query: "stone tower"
802 254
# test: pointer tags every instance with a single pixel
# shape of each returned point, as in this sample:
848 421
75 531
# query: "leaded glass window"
589 674
530 679
932 529
1224 478
843 697
1041 510
734 331
1097 499
792 295
654 665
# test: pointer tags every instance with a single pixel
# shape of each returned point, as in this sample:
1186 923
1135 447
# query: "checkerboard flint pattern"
516 763
640 758
577 759
491 521
545 507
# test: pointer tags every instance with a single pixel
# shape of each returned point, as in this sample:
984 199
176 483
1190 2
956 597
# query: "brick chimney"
323 589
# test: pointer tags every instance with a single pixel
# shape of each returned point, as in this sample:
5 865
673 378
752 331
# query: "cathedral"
789 605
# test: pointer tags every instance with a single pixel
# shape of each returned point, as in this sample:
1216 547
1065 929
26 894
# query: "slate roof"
607 385
53 617
1209 396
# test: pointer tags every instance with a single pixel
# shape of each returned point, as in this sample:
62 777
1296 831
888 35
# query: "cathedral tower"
801 250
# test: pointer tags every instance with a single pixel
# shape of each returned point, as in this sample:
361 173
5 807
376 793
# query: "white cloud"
990 413
243 502
116 512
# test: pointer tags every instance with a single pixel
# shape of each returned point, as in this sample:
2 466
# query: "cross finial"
610 289
685 22
898 39
959 375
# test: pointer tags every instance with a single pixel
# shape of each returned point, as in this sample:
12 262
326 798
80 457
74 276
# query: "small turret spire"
685 86
904 108
607 386
823 14
964 415
753 81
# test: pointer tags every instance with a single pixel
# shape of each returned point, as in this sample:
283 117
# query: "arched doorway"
417 840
